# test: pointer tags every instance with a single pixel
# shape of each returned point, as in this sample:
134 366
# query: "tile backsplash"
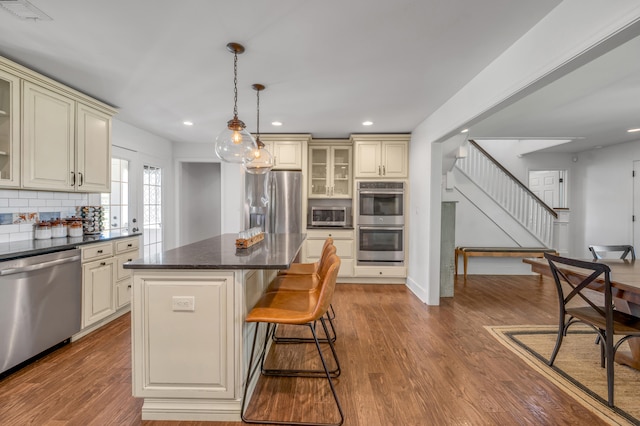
20 210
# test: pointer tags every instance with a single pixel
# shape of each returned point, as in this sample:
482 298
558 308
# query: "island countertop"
276 251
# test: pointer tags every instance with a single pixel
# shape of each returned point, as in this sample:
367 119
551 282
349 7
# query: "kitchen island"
190 343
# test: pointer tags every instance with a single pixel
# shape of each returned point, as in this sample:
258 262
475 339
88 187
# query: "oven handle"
368 191
381 228
39 266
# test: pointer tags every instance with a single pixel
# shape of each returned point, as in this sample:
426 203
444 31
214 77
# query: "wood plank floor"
403 363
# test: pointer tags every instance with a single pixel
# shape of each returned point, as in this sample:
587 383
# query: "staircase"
507 201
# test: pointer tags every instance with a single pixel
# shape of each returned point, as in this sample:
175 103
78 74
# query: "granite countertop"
276 251
27 248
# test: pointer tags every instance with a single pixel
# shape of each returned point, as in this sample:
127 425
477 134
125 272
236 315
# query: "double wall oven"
380 224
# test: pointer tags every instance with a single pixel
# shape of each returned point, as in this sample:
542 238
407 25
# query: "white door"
122 205
546 186
636 204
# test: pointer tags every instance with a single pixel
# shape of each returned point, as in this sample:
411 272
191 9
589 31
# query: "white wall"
558 43
231 183
198 201
151 150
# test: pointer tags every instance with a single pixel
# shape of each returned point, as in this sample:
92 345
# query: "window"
116 204
152 206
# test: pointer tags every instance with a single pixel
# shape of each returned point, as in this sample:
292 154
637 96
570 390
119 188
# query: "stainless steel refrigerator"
273 201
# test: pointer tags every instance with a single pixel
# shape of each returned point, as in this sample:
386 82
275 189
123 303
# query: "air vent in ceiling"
24 10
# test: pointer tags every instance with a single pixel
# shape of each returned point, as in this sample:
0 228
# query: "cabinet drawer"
96 251
344 248
122 273
128 244
123 293
380 271
340 234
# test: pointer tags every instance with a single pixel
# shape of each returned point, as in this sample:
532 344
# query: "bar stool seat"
308 268
302 308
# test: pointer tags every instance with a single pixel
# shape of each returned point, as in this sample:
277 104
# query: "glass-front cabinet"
330 168
9 130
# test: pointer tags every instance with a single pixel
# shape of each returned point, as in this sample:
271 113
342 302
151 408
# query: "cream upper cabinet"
93 150
9 130
52 137
48 139
381 156
330 170
287 150
66 144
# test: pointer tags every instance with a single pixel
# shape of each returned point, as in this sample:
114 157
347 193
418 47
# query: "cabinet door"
9 130
98 297
367 160
319 165
93 150
48 139
287 155
395 159
341 172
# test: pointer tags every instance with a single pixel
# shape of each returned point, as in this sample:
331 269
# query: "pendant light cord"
258 117
235 85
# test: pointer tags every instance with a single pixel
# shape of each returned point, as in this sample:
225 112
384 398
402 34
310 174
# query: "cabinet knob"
73 179
384 170
99 251
103 263
81 179
129 286
129 260
379 171
129 245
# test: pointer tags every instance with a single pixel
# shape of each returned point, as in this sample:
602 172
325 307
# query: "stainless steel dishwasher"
40 304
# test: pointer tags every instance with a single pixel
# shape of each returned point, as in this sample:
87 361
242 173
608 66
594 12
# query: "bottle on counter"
43 230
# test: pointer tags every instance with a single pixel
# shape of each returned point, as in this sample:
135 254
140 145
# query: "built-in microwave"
329 216
380 203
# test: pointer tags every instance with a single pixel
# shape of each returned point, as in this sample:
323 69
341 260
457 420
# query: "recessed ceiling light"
464 131
633 130
188 123
276 123
367 123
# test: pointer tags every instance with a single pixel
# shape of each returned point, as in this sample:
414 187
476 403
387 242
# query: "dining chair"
572 278
598 251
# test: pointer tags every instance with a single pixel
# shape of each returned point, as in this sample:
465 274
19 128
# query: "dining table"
625 286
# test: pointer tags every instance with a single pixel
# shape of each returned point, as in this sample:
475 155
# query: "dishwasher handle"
39 266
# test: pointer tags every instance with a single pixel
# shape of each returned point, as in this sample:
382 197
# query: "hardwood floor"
403 363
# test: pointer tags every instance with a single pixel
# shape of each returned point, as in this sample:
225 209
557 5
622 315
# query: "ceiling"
592 107
328 65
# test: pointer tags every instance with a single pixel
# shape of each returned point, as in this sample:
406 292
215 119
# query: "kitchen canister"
75 227
58 228
43 230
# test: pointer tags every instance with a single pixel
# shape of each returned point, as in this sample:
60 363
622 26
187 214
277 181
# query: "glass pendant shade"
233 144
259 161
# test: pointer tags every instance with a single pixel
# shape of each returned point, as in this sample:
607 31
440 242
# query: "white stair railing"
508 192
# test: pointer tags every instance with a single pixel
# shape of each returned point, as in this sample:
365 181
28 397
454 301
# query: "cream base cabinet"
381 156
98 276
126 250
342 239
106 285
175 310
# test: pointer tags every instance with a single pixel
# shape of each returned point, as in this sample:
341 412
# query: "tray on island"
243 243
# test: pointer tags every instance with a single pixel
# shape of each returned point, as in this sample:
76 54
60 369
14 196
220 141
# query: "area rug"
577 369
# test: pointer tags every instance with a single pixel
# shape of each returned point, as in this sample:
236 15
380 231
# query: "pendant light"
234 143
259 161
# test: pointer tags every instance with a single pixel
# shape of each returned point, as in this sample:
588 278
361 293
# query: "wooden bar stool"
301 308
